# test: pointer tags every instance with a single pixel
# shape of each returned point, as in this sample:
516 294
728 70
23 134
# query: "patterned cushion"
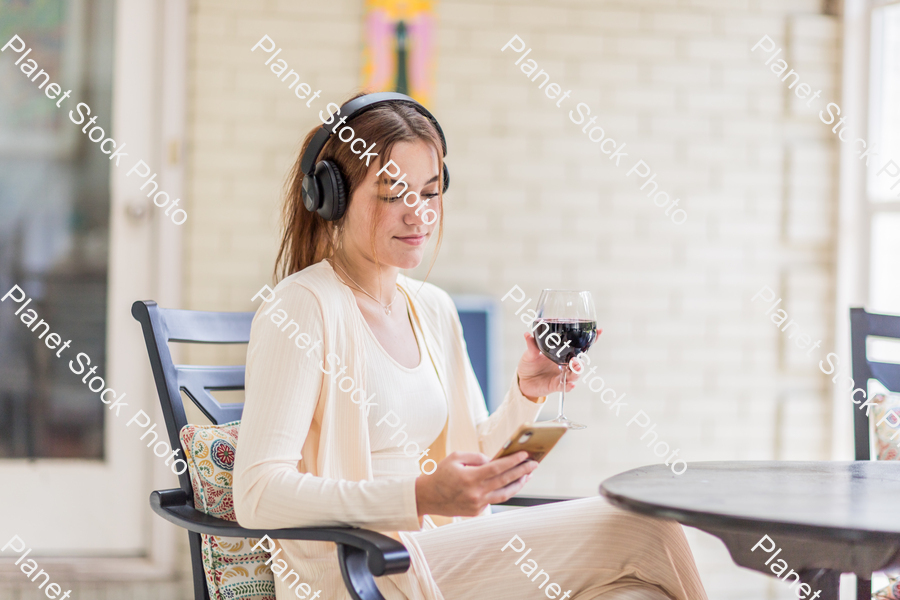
887 435
234 571
891 592
887 448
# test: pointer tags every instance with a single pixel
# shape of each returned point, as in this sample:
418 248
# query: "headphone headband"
324 189
356 107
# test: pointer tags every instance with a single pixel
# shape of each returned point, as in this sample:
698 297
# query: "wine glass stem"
562 393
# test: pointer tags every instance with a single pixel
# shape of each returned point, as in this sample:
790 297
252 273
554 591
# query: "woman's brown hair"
307 238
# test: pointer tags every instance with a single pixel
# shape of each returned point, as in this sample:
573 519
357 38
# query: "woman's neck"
364 273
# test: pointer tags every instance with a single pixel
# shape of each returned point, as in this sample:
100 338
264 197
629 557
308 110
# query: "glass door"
71 263
54 233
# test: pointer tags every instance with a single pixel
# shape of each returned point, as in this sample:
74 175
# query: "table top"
849 500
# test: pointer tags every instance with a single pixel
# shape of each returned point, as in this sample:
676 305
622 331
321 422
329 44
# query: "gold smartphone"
535 438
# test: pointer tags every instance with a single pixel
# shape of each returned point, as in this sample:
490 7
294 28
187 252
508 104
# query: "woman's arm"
515 409
283 385
536 376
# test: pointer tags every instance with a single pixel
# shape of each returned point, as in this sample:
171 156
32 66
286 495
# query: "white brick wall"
534 203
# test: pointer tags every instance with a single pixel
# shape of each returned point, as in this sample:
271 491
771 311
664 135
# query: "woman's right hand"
464 483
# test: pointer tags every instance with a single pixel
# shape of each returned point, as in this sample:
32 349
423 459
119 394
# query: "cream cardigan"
303 457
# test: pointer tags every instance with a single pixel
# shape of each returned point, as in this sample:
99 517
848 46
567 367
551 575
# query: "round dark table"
826 517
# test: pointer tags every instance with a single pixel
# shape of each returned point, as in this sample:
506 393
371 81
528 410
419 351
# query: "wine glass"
566 325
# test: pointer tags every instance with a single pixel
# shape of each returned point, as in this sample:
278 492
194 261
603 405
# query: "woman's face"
400 234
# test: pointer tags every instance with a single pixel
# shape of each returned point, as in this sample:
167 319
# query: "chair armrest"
384 555
362 554
532 501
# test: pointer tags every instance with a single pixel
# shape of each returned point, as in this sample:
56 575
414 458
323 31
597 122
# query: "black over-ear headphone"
324 190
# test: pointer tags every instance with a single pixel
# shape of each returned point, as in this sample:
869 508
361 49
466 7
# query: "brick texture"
535 204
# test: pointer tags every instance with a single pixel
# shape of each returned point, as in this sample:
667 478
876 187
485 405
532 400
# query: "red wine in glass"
566 325
561 340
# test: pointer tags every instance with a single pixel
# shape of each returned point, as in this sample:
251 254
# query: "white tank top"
410 406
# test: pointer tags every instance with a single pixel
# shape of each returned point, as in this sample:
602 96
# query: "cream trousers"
588 547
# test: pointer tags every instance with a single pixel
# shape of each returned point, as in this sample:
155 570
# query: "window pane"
883 349
54 225
884 290
885 101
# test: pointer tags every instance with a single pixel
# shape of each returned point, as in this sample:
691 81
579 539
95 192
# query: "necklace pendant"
387 311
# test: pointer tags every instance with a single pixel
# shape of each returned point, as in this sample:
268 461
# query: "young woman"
362 408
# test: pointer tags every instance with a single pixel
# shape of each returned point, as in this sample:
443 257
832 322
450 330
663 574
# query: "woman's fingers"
507 477
576 367
501 465
470 481
531 350
503 494
469 459
534 355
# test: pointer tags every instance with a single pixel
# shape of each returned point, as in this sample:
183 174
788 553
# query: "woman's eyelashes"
390 199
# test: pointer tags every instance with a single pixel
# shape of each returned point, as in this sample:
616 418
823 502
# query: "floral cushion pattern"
891 592
234 571
887 447
887 434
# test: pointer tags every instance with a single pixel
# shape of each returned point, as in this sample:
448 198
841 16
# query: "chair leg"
359 580
829 582
863 588
200 589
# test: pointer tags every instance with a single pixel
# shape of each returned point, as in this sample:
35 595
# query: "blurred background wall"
535 204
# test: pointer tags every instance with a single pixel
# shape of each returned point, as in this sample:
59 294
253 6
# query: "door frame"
158 93
851 256
854 207
149 113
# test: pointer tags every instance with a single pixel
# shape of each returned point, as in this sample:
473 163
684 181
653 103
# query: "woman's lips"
412 240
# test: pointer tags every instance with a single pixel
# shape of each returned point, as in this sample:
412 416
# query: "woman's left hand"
538 375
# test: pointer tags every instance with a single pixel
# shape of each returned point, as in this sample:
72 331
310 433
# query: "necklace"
386 307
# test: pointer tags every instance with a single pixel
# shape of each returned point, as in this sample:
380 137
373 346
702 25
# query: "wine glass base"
568 423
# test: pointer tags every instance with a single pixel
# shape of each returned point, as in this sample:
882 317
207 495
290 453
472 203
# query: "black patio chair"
862 325
362 554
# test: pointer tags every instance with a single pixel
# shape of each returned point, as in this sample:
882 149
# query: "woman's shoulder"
310 278
304 292
316 282
429 298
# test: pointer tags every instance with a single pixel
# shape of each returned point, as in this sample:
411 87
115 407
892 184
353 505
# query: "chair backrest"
862 325
164 325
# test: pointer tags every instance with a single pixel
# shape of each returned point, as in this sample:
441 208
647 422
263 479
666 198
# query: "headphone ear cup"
340 195
311 193
333 189
446 179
